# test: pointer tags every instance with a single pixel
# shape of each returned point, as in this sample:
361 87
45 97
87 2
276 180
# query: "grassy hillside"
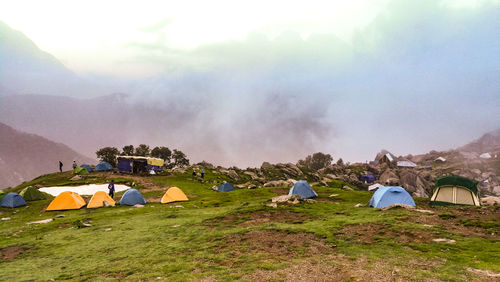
228 236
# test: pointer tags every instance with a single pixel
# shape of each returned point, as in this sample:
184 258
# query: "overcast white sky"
247 81
94 36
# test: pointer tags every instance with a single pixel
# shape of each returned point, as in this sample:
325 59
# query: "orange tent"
174 194
98 200
66 201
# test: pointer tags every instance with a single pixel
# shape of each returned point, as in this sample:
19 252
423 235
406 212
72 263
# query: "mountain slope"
488 142
24 156
27 69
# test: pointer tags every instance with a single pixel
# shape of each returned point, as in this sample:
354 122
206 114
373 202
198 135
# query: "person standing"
74 164
60 166
111 188
202 173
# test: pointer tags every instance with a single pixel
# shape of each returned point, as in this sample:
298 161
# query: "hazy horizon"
239 84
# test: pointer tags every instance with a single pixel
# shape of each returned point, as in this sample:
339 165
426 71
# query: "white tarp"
406 164
485 156
374 186
441 159
82 190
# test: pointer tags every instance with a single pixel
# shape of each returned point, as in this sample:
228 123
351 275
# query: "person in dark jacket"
111 188
60 166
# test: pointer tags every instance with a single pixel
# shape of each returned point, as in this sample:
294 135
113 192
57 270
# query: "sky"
276 80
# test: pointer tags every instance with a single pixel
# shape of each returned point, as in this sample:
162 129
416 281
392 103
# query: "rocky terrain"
419 181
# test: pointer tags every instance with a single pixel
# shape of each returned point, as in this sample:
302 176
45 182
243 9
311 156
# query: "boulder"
490 201
388 176
286 199
496 190
75 178
252 175
279 183
266 165
252 186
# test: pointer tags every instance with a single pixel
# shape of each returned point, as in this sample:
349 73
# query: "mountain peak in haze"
24 156
488 142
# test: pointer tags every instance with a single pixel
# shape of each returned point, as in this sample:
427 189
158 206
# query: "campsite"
239 235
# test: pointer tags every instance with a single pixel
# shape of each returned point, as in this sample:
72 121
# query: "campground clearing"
235 235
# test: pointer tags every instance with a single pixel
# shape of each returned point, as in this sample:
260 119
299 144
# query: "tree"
108 154
128 150
340 162
179 158
162 153
142 150
316 161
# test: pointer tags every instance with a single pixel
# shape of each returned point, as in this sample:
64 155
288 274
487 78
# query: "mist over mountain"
411 82
25 69
24 156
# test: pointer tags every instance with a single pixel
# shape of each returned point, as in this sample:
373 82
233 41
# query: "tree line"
172 158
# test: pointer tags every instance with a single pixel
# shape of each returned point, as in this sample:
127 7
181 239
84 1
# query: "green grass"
190 243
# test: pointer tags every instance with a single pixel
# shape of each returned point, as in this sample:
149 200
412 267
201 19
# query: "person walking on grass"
111 188
60 166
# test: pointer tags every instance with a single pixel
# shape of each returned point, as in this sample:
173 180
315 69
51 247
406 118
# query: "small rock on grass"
175 226
40 221
138 206
5 218
272 205
358 205
108 229
425 211
333 195
444 240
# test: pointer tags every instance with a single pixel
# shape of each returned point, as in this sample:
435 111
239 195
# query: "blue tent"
87 167
103 166
303 189
390 195
225 187
12 200
132 197
368 178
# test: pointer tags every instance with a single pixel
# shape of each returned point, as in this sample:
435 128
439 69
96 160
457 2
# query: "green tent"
32 194
80 170
455 190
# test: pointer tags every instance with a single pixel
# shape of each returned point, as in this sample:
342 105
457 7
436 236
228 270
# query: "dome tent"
455 190
12 200
32 194
132 197
98 200
390 195
87 167
80 171
103 166
225 187
66 201
173 194
303 189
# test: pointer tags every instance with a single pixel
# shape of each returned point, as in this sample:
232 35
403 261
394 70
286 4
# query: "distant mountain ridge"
24 156
25 69
488 142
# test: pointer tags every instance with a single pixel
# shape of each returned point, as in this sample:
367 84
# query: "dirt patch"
277 244
338 267
369 233
328 199
280 191
11 253
456 224
257 218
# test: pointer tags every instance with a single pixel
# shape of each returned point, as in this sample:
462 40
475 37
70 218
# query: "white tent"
406 164
440 159
485 156
374 186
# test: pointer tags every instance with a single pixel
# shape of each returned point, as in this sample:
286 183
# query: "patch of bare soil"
280 191
369 232
340 268
454 225
258 218
11 253
277 244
